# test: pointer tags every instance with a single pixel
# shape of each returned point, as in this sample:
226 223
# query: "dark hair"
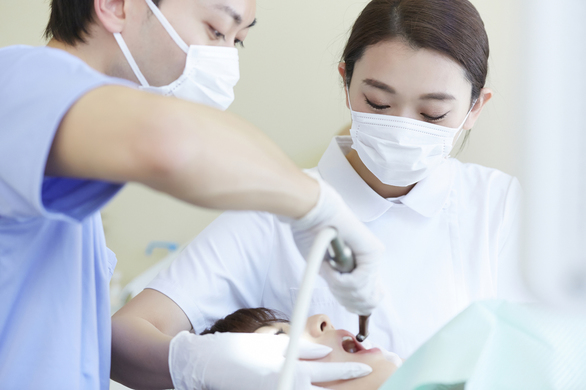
70 20
246 321
450 27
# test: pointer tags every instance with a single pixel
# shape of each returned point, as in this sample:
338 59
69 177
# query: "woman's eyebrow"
380 85
437 96
387 88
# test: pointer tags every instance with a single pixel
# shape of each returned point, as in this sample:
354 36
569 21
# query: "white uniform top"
449 242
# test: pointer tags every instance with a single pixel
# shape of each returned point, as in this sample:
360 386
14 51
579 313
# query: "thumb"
311 351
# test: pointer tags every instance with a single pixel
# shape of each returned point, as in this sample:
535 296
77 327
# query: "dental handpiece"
341 258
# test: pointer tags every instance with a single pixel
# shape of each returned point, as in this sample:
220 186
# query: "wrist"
308 197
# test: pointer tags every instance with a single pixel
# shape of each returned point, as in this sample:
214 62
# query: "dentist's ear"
483 98
111 14
342 71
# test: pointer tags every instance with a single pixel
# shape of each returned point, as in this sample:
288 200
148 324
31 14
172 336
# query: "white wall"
290 89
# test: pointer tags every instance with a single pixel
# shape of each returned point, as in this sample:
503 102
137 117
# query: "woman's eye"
238 42
375 106
434 118
280 331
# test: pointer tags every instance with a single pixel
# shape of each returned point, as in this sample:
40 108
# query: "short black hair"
70 20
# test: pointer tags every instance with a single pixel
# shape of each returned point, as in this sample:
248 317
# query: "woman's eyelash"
427 117
375 106
433 118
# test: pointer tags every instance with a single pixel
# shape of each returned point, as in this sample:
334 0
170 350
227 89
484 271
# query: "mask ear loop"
130 60
348 97
461 127
180 42
351 111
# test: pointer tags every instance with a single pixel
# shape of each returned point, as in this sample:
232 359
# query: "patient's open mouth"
350 345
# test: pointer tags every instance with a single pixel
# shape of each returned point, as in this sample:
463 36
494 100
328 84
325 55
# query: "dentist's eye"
280 331
217 34
434 118
375 106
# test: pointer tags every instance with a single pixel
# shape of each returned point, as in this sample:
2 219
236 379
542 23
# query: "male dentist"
74 127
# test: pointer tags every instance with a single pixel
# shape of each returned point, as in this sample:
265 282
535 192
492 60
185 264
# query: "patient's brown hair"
247 321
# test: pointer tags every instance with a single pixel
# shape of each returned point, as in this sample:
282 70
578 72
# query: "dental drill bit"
341 258
362 328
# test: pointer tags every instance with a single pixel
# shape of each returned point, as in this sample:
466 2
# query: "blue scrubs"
55 268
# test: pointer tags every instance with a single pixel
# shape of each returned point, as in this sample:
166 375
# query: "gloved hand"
361 290
388 355
249 361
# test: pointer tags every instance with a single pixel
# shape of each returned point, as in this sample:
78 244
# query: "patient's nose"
318 324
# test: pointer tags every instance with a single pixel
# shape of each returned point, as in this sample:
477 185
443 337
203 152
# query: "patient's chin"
381 371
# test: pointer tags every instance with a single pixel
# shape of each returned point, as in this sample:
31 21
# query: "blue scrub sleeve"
37 88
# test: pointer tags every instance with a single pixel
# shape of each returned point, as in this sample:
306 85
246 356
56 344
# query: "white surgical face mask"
210 73
400 151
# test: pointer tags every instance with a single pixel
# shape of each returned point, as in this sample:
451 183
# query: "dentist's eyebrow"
437 96
235 15
380 85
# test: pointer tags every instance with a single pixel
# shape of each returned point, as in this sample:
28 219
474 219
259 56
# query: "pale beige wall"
23 21
290 89
494 141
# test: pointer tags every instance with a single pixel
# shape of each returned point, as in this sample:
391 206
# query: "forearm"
237 167
204 156
140 354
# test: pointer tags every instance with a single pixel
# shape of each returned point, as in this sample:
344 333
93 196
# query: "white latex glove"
249 361
388 355
359 291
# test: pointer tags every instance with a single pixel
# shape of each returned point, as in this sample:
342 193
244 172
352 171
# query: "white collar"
427 197
431 194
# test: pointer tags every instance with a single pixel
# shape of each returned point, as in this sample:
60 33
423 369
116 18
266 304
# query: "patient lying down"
319 330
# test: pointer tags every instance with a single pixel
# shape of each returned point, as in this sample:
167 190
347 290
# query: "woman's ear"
342 71
483 98
111 14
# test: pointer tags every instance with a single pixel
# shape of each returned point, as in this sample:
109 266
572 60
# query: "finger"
309 350
393 358
326 372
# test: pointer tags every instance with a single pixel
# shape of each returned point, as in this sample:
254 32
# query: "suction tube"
299 318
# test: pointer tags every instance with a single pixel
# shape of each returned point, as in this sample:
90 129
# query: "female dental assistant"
73 128
415 72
